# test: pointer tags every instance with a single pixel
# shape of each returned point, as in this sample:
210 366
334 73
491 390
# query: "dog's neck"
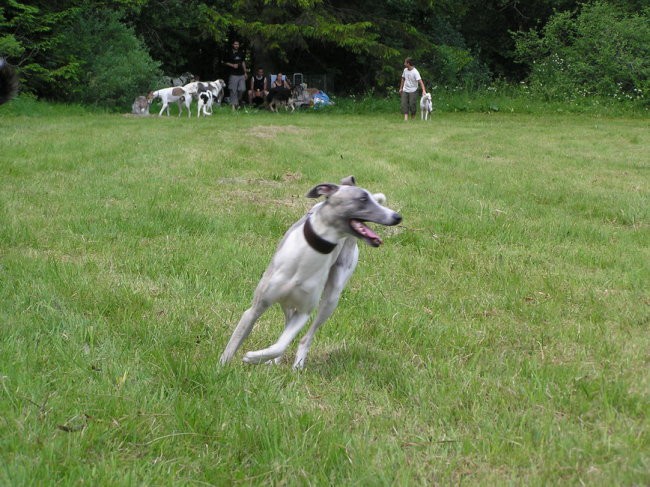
317 243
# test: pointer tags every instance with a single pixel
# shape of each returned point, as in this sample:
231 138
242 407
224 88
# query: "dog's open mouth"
365 233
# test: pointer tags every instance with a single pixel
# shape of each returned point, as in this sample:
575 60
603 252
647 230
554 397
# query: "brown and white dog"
170 95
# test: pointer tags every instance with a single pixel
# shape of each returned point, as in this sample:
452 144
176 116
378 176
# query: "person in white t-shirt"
408 89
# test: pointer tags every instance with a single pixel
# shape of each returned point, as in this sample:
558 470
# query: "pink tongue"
365 231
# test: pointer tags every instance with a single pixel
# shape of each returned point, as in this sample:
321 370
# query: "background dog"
281 99
8 81
170 95
205 100
141 106
426 106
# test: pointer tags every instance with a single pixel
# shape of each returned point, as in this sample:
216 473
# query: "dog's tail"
8 81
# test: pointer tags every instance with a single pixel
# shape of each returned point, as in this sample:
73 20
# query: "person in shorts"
408 89
258 88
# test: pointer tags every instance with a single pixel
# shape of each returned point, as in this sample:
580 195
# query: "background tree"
63 47
28 40
114 65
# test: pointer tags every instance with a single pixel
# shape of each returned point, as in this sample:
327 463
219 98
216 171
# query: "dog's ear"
349 181
380 198
324 189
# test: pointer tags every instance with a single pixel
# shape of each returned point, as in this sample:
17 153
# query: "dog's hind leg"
336 282
276 350
243 329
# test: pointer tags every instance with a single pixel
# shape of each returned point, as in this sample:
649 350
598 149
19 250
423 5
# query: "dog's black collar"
317 243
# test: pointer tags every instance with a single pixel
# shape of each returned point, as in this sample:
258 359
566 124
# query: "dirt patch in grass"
272 131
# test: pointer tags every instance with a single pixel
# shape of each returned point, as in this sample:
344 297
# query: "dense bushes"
601 51
114 65
83 55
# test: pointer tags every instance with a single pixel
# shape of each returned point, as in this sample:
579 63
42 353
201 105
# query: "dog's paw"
260 357
251 359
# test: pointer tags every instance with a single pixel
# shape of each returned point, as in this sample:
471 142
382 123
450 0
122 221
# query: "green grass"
499 336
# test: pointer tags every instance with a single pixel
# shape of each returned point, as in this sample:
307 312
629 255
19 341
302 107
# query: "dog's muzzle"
365 233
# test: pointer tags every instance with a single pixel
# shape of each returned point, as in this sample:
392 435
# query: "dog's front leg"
242 330
276 350
338 278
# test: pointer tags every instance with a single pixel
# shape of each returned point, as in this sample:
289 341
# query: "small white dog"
205 103
426 106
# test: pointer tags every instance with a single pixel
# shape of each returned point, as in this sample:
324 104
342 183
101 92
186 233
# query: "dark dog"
8 81
280 97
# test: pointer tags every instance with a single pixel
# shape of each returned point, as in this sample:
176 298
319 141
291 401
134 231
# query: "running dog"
311 266
426 106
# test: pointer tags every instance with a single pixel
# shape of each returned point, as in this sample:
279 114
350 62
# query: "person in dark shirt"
236 75
259 88
280 88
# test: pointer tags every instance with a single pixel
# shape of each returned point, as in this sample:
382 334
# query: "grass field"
499 336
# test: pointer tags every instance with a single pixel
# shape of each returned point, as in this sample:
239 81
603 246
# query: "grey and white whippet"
311 266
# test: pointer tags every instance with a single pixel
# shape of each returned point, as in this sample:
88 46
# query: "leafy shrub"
114 65
601 51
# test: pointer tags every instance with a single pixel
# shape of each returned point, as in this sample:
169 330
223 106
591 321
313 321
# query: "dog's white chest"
299 273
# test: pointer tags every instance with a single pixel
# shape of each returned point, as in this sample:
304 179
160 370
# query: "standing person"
259 88
408 89
236 75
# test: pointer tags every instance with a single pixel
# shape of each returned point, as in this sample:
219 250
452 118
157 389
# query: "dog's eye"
363 199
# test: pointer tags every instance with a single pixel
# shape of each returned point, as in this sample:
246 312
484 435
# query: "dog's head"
426 97
349 207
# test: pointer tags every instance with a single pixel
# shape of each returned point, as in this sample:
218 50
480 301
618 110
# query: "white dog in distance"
426 106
